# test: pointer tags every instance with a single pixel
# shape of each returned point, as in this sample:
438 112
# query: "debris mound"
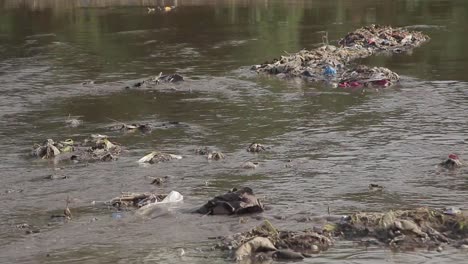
330 64
407 229
241 201
277 243
97 148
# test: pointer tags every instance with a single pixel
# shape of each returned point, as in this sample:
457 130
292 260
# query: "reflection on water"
326 145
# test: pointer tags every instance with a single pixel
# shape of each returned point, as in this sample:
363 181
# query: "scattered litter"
255 147
156 157
233 202
452 162
330 64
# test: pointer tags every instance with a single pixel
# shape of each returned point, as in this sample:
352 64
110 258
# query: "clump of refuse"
267 242
144 202
411 229
98 147
129 128
157 157
73 122
256 147
383 39
170 78
452 162
330 64
407 229
210 154
242 201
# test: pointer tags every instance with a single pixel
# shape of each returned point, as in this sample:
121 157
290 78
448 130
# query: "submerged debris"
144 201
452 162
159 180
383 38
407 229
210 154
400 230
265 241
255 147
156 157
99 147
241 201
250 165
171 78
363 76
136 199
375 187
330 64
73 122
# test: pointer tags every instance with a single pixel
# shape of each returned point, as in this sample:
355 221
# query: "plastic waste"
452 211
329 70
117 215
172 197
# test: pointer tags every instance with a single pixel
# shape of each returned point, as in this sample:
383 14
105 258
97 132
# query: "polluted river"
105 78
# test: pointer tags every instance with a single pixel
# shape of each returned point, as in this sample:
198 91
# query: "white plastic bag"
172 197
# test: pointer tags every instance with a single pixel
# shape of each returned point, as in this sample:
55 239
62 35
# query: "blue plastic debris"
329 70
117 215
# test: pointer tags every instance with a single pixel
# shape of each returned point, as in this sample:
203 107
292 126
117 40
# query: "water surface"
326 145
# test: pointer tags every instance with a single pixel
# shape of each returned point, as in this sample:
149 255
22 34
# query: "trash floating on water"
159 180
329 64
99 147
156 157
400 230
241 201
170 78
144 128
145 203
210 154
250 165
452 162
73 122
375 187
267 242
255 147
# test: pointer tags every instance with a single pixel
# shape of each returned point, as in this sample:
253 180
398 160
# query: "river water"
327 145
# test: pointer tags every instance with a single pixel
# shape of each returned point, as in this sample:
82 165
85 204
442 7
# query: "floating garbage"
99 147
452 162
375 187
156 157
241 201
172 197
255 147
73 122
423 228
145 203
267 242
144 128
170 78
330 64
329 70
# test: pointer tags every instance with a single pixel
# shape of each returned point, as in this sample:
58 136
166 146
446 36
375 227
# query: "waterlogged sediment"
332 64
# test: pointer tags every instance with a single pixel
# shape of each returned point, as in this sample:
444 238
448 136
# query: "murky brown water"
339 142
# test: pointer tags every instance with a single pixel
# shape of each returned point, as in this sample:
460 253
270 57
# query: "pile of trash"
242 201
408 229
330 63
145 203
267 242
157 157
97 148
399 230
383 39
170 78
